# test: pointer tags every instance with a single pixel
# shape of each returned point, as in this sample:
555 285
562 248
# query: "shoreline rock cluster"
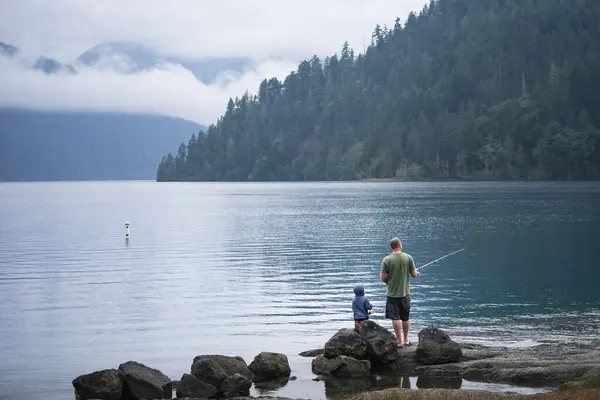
211 376
369 348
353 359
438 358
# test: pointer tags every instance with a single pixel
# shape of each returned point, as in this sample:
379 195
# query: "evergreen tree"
498 89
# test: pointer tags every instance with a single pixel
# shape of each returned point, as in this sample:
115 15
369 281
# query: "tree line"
495 89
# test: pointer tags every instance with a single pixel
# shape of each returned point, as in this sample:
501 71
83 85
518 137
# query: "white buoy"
127 232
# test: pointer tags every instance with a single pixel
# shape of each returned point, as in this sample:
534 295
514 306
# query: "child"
361 305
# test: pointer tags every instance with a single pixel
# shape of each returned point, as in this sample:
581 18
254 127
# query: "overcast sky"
276 34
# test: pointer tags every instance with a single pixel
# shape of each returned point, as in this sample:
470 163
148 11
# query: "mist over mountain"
131 57
73 145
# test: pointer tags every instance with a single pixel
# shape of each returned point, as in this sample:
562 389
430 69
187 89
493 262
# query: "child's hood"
359 290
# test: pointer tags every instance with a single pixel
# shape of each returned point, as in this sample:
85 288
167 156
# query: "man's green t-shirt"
398 268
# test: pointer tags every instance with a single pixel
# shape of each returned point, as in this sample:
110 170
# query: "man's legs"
392 312
398 326
404 316
405 326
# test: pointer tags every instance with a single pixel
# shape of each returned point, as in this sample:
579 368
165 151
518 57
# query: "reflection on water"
238 269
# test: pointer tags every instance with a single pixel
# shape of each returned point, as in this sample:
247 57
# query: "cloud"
198 28
263 31
168 90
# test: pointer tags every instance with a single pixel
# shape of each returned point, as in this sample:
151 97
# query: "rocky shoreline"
362 359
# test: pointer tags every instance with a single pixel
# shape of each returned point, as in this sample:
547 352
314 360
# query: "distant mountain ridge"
68 145
132 57
52 146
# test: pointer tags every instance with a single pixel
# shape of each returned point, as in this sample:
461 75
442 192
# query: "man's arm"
413 271
383 274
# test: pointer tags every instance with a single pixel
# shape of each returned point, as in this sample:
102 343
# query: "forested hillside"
489 89
42 146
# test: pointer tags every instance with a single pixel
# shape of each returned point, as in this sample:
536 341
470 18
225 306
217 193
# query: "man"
396 270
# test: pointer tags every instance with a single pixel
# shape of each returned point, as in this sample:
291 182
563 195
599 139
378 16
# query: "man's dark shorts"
397 308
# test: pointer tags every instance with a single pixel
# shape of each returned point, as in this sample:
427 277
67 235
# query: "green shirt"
398 268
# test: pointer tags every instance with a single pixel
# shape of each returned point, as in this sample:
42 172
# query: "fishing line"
438 259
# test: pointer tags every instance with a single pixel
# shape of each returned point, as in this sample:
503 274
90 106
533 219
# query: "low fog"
275 35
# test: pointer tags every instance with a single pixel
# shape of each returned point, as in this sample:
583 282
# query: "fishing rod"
441 258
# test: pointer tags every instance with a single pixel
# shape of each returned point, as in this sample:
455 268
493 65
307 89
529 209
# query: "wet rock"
382 345
472 351
537 366
405 364
312 353
190 386
269 366
236 385
102 385
324 366
342 366
214 369
142 382
346 342
436 347
352 368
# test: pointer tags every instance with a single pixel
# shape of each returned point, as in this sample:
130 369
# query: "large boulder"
341 367
324 366
382 345
142 382
235 385
214 369
269 366
102 385
190 386
436 347
346 342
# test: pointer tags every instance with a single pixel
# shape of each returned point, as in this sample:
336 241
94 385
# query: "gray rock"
312 353
269 366
236 385
324 366
190 386
352 368
543 365
382 345
103 385
405 364
214 369
436 347
142 382
341 366
346 342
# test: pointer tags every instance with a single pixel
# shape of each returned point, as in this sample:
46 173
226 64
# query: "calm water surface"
240 268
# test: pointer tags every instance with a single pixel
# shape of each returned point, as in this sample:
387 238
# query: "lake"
238 268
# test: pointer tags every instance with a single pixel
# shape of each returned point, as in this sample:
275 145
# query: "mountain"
497 89
8 50
39 146
52 66
130 57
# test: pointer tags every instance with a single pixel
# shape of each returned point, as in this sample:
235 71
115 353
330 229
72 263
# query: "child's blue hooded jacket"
361 305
